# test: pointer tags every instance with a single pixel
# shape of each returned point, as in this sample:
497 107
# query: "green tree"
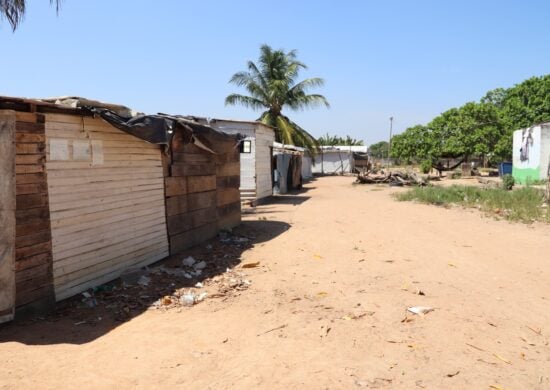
272 86
380 149
14 10
481 129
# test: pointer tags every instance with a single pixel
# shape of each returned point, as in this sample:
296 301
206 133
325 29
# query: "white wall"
256 165
248 160
306 167
545 150
332 162
265 136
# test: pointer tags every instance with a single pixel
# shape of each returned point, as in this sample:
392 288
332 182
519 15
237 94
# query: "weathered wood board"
7 215
106 200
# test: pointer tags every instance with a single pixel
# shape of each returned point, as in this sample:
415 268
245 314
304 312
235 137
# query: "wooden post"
7 215
548 184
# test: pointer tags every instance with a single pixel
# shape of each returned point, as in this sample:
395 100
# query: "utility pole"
389 145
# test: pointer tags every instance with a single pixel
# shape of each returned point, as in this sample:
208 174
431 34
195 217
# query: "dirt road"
327 308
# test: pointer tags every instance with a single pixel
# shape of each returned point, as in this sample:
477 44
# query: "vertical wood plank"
7 215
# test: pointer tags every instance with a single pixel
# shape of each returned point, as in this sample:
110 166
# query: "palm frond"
14 10
246 101
305 85
302 102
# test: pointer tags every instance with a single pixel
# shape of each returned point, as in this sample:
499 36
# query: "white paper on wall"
59 149
81 150
97 152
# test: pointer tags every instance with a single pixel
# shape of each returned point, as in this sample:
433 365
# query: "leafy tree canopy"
379 149
481 128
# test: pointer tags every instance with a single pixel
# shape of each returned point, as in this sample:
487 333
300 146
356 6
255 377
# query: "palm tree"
333 140
272 86
349 141
329 140
14 10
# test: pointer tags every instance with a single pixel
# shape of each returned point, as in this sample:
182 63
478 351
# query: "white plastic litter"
420 310
188 261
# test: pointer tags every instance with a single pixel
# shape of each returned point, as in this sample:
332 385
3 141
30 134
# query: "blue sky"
406 59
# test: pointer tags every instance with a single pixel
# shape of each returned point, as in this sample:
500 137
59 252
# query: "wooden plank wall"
33 264
107 209
202 192
7 215
227 183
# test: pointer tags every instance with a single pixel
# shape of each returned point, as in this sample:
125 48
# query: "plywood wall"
33 265
107 208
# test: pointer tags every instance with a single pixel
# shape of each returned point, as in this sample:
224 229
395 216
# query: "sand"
339 266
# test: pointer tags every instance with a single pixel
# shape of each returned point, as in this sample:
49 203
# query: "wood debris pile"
396 178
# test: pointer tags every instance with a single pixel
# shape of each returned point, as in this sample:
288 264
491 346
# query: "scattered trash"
453 374
201 297
187 299
420 310
273 329
420 292
199 285
474 347
251 265
501 358
322 294
209 247
144 281
452 265
89 300
131 276
166 300
496 387
318 257
537 331
357 316
200 266
188 261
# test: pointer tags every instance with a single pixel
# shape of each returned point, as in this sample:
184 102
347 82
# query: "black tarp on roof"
158 129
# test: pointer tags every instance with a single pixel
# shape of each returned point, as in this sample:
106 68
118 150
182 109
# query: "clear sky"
407 59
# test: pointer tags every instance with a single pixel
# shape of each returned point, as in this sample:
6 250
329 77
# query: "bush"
456 175
426 166
508 182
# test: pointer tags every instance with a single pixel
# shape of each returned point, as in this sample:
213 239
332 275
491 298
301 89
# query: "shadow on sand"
75 322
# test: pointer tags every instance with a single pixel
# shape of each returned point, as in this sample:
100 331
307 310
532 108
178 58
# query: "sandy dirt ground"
326 309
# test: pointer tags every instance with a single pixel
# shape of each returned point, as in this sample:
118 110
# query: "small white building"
531 153
336 160
256 155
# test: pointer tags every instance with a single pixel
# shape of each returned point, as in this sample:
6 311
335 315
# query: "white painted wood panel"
265 137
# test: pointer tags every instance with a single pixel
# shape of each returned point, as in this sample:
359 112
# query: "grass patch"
524 204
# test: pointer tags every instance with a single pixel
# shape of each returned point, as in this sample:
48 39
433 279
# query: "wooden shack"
92 199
